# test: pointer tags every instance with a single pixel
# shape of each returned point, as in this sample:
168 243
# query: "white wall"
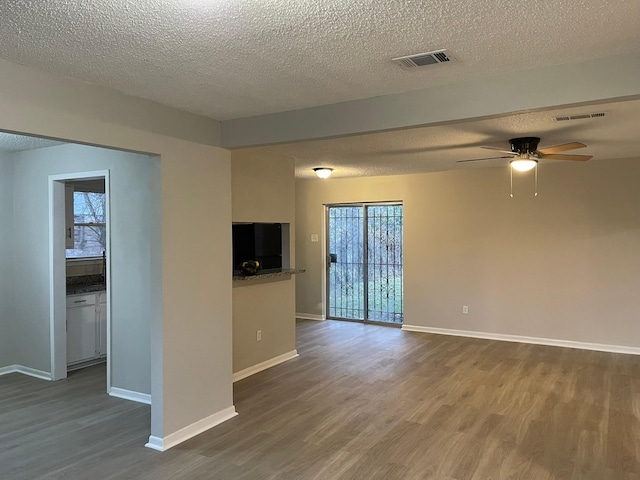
7 350
564 265
131 202
191 376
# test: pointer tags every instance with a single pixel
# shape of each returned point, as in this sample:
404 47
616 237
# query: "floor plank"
360 402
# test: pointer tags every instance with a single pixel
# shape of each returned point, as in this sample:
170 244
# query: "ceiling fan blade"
499 150
479 159
580 158
561 148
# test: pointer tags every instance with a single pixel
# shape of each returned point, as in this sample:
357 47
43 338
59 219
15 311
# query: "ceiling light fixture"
323 172
523 164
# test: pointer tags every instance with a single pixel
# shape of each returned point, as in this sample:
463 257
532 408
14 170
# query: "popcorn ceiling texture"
236 58
17 143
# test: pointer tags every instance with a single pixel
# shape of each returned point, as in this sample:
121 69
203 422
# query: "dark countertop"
276 272
78 289
85 284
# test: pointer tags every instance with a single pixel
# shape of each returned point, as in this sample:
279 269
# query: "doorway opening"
365 262
79 251
86 271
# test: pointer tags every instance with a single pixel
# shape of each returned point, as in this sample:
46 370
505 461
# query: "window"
89 227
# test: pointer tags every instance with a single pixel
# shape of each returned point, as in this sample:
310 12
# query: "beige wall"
84 267
268 306
263 190
196 287
489 96
75 101
263 187
564 265
191 306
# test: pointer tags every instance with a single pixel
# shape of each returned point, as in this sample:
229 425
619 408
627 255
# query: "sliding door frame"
365 260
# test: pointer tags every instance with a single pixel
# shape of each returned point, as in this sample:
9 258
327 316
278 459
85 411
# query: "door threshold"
88 363
367 322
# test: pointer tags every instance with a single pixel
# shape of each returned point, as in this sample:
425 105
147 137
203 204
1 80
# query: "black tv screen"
257 241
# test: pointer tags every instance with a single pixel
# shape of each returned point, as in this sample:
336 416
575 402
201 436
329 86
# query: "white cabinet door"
102 328
81 333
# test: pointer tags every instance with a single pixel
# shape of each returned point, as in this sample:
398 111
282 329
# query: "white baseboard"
155 443
173 439
32 372
130 395
311 316
599 347
247 372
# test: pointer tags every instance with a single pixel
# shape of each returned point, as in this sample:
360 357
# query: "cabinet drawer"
102 297
81 300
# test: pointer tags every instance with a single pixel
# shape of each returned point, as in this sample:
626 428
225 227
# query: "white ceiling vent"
580 116
423 59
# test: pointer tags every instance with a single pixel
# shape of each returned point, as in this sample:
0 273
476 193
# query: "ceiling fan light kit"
524 155
523 164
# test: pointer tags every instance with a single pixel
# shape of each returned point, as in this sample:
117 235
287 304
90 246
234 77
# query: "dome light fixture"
323 172
523 164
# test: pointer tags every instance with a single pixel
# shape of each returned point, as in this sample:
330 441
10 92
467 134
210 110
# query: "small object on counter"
250 267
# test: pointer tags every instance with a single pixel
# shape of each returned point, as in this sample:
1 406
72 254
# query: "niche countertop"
262 274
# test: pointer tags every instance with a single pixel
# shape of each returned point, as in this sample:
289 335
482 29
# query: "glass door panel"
384 263
345 280
365 241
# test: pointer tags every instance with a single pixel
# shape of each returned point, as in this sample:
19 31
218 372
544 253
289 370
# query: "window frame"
89 224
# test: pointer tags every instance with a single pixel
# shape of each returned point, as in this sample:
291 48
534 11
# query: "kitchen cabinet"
102 324
86 327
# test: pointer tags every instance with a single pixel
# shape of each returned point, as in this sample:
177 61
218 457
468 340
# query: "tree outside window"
90 232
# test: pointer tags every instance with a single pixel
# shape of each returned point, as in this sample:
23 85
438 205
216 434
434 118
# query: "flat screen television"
257 241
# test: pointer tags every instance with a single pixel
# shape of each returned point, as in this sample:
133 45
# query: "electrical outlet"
314 237
259 335
465 309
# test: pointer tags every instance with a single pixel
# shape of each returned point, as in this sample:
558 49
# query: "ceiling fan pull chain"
511 173
536 181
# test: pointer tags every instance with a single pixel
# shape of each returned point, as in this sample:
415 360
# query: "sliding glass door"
364 262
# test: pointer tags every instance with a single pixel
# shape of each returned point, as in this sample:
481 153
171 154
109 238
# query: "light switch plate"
314 237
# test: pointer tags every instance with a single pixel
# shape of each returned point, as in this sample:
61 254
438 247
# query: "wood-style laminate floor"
361 402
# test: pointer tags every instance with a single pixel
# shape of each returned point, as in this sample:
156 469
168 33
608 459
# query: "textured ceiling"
17 143
436 148
236 58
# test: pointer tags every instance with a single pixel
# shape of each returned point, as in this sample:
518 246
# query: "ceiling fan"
525 153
